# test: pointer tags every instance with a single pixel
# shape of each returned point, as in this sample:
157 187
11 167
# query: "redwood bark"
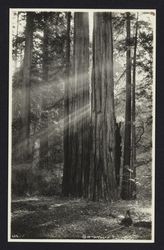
102 174
76 166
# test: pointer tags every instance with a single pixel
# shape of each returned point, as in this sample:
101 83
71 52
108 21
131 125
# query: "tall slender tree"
102 174
133 118
67 110
26 87
16 43
126 192
118 152
44 113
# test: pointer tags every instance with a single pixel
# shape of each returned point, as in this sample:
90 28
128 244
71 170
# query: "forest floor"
60 218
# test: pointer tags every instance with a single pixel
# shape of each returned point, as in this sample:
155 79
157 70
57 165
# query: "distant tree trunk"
133 158
102 174
127 191
118 152
44 113
26 87
16 46
67 110
77 166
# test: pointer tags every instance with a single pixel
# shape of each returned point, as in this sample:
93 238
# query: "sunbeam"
73 119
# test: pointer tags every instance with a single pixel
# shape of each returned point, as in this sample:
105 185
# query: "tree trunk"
44 112
77 165
127 191
102 174
67 141
26 88
16 45
133 160
82 105
118 152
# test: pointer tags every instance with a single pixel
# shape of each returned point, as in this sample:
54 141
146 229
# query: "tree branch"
141 134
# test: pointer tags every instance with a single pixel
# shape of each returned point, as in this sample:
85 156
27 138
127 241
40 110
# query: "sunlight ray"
63 123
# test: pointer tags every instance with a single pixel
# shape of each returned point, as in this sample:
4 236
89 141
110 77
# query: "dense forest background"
82 106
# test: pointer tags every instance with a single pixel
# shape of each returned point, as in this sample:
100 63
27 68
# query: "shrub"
26 180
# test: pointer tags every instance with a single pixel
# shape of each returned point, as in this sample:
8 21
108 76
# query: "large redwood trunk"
76 165
102 174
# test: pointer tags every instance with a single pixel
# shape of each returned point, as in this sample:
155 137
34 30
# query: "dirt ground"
59 218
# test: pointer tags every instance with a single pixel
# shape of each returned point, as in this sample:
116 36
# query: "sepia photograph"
81 125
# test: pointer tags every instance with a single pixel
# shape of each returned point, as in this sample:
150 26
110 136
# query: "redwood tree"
76 166
102 174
